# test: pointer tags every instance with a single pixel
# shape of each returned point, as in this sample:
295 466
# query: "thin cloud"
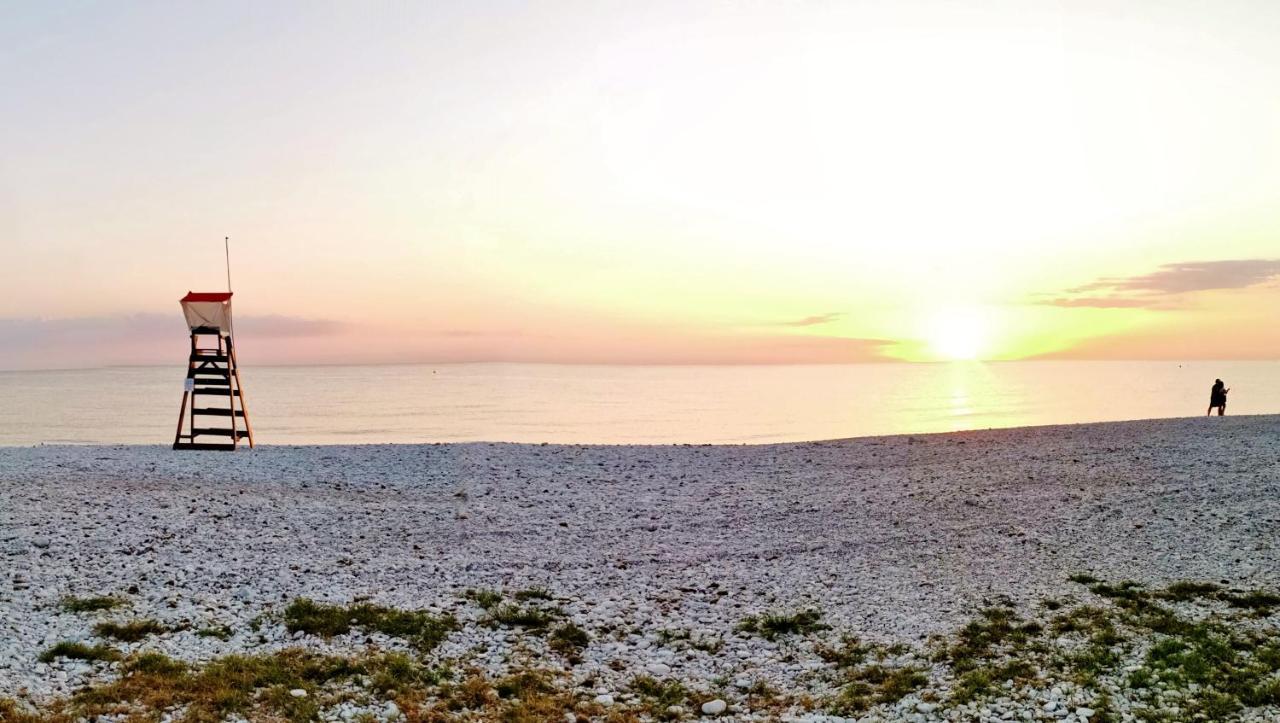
86 341
814 320
1158 289
29 333
286 326
1100 302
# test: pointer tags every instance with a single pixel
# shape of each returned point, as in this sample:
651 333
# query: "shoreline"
893 539
608 445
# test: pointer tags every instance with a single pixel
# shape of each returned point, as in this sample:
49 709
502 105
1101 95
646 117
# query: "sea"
295 405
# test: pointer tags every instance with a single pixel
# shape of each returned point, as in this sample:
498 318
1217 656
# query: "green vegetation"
997 630
518 616
422 629
533 593
1184 591
253 686
524 684
79 651
851 652
771 626
221 632
1263 602
486 599
876 685
1188 651
130 632
569 640
72 604
657 697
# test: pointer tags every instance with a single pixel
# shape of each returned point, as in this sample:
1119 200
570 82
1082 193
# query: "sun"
959 334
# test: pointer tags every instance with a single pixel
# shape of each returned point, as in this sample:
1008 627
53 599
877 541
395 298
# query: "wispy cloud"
146 327
1106 302
814 320
127 338
285 326
1159 289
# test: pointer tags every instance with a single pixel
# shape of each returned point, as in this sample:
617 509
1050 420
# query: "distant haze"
659 182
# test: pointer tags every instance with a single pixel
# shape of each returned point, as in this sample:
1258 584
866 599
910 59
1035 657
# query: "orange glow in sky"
665 182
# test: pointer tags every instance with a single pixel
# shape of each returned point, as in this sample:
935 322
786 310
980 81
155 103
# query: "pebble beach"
662 555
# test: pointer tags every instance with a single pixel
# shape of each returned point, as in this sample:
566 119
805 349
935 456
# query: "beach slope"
669 559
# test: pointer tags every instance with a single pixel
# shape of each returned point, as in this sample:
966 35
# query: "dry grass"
422 629
130 632
73 604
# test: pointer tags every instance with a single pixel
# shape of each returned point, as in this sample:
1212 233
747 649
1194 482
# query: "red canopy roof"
207 296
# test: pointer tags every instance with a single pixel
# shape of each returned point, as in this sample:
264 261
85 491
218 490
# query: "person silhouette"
1218 398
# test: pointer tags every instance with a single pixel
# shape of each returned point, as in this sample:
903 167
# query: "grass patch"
73 604
130 632
1127 590
771 626
981 681
876 685
533 593
849 653
221 632
524 684
997 631
657 697
1083 578
79 651
569 640
257 687
520 616
1257 600
486 599
1184 591
253 686
422 629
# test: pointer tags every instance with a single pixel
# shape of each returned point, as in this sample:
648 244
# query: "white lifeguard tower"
212 374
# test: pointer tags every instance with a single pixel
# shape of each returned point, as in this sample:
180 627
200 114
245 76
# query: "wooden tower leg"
182 412
244 404
187 395
231 391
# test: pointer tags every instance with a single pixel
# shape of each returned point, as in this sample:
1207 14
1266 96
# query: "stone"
1084 713
296 692
658 669
604 699
714 707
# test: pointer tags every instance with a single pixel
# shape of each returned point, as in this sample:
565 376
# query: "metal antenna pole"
226 247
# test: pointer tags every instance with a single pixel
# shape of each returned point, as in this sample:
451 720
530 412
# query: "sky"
659 182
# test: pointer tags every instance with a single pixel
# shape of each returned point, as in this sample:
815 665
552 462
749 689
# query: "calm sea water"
618 404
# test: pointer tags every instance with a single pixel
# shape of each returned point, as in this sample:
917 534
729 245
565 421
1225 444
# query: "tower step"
215 412
212 382
204 445
220 358
218 432
211 372
216 392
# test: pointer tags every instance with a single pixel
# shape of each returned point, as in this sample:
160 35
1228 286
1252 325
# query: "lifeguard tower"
212 376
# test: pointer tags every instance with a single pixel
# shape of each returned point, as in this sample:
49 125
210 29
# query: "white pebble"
714 707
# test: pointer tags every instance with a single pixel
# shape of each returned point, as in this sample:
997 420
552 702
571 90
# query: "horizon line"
496 362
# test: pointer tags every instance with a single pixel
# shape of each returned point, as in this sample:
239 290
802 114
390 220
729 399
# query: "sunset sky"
683 182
